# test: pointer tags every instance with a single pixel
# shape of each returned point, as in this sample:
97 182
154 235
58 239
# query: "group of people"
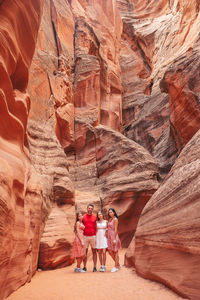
101 235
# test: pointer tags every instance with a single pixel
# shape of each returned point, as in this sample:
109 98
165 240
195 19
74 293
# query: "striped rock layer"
101 115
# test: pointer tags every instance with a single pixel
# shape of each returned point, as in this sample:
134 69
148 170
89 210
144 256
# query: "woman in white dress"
101 240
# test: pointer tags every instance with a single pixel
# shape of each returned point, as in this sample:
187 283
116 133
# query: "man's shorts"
90 240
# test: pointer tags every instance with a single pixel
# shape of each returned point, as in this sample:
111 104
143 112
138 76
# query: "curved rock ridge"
114 99
57 241
127 176
50 82
152 43
97 95
22 211
112 171
49 160
51 121
166 246
181 82
144 9
15 58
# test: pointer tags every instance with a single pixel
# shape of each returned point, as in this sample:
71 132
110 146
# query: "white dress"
101 239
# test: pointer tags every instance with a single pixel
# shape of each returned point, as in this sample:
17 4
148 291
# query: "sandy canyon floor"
64 284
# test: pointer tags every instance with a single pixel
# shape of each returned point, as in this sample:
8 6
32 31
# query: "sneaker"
79 270
101 269
104 268
76 269
85 269
114 270
94 269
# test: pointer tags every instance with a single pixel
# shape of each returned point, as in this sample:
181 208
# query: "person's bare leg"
85 258
116 259
112 254
100 256
79 260
104 257
94 257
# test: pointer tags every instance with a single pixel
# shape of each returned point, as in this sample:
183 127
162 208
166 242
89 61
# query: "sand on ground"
65 284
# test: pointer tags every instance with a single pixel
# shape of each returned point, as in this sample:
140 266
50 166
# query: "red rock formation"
148 48
129 258
127 176
56 242
95 75
122 176
145 8
49 160
167 247
21 217
181 82
97 96
50 84
97 100
51 114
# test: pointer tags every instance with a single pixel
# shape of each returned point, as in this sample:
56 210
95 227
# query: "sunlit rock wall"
114 99
159 62
51 129
167 246
22 210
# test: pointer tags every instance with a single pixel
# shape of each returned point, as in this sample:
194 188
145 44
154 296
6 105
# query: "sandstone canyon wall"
168 41
167 237
50 129
114 99
159 59
102 156
22 209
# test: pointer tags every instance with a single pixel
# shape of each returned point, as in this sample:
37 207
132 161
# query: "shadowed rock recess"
99 103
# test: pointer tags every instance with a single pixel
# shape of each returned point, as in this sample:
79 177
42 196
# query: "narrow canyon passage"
64 284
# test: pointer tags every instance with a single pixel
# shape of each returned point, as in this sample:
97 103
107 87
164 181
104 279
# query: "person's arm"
116 227
106 229
106 225
78 233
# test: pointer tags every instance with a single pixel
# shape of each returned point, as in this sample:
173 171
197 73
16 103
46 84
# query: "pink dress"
111 237
78 248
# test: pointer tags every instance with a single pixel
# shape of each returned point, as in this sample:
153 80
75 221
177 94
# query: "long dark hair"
102 215
77 219
115 214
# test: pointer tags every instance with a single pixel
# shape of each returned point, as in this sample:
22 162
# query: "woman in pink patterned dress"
78 247
114 243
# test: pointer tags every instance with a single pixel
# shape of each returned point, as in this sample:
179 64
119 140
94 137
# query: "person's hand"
82 242
114 241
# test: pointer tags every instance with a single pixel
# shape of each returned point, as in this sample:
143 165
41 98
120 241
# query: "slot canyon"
100 103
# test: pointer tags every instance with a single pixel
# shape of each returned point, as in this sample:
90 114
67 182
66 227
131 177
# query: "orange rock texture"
109 105
159 40
50 130
167 238
22 211
113 171
103 157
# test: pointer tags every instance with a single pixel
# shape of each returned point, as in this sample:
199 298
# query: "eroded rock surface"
113 171
127 177
114 97
22 211
51 129
159 40
167 245
57 241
